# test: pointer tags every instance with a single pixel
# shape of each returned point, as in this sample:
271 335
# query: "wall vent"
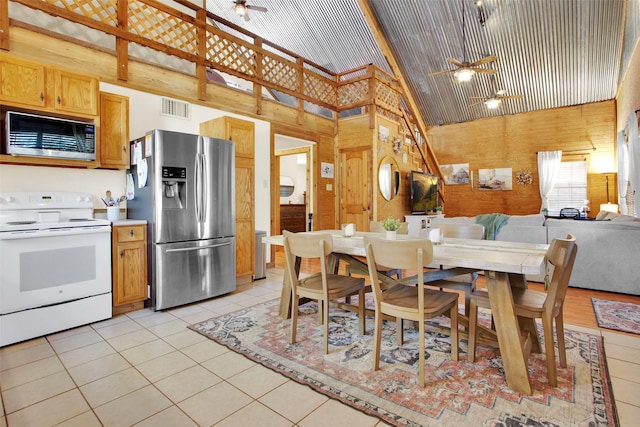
174 108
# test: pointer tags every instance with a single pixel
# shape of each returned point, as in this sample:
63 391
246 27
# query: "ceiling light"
240 9
464 74
492 103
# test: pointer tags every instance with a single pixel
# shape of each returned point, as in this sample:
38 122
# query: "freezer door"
192 271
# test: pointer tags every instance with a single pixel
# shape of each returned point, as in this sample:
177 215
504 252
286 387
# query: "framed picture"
455 174
495 179
326 170
383 133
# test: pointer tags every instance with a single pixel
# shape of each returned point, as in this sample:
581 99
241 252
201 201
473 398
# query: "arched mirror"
286 186
388 177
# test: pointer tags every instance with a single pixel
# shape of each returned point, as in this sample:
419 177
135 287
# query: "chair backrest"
461 231
411 254
562 255
306 245
376 227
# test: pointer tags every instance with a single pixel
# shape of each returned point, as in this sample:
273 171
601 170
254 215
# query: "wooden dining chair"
376 227
415 303
321 286
538 305
465 282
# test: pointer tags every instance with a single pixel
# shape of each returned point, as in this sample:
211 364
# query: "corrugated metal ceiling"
554 53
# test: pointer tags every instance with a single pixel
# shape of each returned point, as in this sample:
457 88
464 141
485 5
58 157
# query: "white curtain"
623 173
634 161
548 170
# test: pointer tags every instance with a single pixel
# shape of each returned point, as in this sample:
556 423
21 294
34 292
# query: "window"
570 190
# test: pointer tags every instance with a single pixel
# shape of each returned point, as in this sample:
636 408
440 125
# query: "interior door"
355 191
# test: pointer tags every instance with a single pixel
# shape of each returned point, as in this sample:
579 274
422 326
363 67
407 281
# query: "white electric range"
55 264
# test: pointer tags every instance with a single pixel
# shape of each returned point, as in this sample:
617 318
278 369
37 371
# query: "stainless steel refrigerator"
187 196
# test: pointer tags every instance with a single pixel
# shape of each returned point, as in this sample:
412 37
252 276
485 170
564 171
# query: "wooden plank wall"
513 141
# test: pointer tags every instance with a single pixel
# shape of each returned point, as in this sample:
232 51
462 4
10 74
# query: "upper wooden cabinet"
22 81
114 131
32 84
75 93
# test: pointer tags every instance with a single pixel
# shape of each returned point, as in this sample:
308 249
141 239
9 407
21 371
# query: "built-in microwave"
41 136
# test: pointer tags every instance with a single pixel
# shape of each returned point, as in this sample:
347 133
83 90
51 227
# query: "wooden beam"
4 24
201 69
122 45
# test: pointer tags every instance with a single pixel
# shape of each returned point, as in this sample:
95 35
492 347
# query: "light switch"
329 187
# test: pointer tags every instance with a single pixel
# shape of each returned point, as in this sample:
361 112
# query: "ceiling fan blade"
484 60
256 8
511 97
437 73
246 17
476 103
478 97
484 70
455 62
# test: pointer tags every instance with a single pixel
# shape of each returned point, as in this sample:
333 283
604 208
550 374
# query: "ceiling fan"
241 8
495 99
465 70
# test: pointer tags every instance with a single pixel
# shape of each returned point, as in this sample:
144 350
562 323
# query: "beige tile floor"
146 369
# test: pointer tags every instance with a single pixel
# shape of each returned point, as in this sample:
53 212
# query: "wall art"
495 179
455 174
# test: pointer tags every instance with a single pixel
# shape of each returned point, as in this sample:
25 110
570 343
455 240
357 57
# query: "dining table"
505 265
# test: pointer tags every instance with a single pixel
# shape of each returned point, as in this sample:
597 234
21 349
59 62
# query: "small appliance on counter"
185 190
55 264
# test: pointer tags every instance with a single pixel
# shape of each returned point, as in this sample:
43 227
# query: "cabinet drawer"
131 233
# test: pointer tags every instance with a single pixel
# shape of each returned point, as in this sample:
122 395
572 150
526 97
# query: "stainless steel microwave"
41 136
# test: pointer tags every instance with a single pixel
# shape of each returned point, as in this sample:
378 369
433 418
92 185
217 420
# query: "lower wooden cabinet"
129 264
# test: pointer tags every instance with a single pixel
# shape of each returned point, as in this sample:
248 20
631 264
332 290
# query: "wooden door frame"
312 190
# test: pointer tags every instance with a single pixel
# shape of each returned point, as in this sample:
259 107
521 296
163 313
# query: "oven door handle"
199 247
54 232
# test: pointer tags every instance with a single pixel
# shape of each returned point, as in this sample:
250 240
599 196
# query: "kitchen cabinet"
129 267
292 218
242 133
22 81
30 84
75 93
114 131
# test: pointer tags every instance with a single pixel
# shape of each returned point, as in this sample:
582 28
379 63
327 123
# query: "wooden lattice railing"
198 38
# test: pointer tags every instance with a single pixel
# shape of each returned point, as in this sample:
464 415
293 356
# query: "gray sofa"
608 249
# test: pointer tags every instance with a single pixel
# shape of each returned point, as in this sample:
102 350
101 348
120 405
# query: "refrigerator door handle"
204 194
198 247
199 190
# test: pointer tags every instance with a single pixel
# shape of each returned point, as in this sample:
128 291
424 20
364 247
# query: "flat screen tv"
424 192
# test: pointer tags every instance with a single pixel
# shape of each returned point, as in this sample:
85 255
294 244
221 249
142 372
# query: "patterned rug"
456 393
621 316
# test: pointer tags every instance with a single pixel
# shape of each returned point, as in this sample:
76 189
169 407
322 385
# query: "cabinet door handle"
121 254
59 100
41 96
131 232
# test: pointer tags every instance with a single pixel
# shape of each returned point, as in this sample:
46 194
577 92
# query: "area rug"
620 316
456 393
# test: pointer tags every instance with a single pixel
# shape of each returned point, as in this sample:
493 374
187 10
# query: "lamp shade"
609 207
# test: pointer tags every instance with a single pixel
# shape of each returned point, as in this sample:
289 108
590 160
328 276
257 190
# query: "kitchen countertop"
125 222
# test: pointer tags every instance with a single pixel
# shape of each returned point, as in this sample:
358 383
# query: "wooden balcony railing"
196 36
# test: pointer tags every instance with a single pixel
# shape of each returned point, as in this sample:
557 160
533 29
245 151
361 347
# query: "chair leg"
399 331
547 326
294 317
325 306
454 331
377 332
467 300
562 352
363 329
421 350
473 331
